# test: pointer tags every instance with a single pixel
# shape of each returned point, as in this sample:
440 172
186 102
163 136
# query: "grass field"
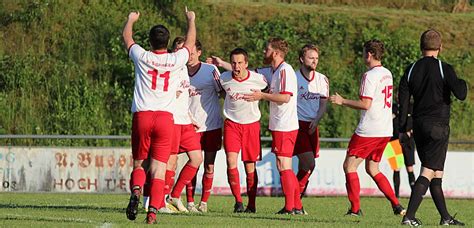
108 210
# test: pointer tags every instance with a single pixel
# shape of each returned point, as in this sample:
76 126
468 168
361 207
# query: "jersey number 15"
154 74
387 91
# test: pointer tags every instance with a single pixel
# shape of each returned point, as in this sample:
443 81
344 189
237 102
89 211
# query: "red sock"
385 187
298 203
353 190
252 182
288 186
137 179
184 178
303 177
156 193
234 183
146 187
191 189
206 186
169 180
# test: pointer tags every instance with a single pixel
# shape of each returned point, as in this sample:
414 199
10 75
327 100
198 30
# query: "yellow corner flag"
394 154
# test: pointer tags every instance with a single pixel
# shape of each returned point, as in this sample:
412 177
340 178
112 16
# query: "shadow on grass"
64 207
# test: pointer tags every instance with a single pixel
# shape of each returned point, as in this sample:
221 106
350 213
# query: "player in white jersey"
242 126
313 92
374 129
283 119
205 110
156 81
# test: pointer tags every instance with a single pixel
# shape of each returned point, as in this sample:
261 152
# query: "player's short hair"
279 44
239 51
306 48
178 40
430 40
159 37
198 45
375 47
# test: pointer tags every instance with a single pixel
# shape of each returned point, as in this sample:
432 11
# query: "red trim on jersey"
310 75
286 92
191 75
241 80
365 97
375 66
159 52
130 47
282 80
321 97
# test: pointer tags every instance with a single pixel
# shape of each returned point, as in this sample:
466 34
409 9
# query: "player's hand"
133 16
254 96
190 15
312 126
178 93
336 99
217 61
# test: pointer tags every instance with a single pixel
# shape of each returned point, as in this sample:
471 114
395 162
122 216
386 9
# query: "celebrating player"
283 119
242 126
156 82
185 140
374 129
205 109
313 91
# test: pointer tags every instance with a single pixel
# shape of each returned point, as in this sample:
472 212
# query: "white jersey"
377 85
156 78
235 107
284 117
204 97
181 113
309 94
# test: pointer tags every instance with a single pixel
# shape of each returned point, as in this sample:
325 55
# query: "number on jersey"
387 91
154 75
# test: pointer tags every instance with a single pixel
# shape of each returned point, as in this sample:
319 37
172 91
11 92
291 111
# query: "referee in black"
431 83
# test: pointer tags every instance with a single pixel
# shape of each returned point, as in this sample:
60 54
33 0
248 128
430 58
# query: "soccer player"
205 109
374 129
431 82
185 140
156 82
313 92
283 119
242 126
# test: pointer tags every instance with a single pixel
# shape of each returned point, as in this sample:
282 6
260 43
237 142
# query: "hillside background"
63 69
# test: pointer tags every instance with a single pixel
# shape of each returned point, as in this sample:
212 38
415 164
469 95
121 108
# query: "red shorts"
367 147
283 143
185 139
211 141
245 137
306 142
152 131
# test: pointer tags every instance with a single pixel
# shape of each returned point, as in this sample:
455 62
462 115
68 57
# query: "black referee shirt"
431 90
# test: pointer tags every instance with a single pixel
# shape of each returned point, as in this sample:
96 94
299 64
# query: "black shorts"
408 149
431 140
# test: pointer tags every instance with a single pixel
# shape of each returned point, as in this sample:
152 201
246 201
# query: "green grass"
108 210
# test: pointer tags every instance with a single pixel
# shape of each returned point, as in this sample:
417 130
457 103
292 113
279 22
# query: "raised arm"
128 29
191 34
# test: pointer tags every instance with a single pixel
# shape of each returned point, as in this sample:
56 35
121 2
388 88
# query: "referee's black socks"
438 198
396 183
420 188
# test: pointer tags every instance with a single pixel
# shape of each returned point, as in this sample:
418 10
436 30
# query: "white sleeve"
182 56
135 52
367 87
287 82
263 84
324 87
